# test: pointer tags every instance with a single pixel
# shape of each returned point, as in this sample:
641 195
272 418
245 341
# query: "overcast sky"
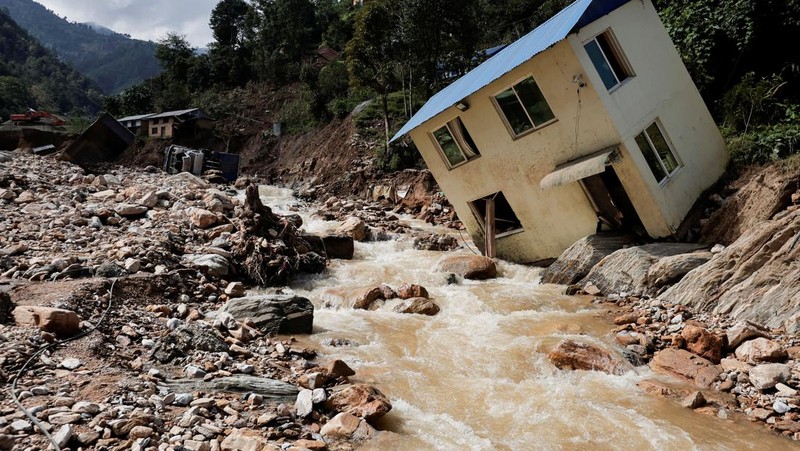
142 19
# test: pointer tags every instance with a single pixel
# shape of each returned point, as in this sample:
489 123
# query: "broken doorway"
614 209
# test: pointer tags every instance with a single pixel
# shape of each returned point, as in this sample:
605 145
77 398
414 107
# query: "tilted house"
589 122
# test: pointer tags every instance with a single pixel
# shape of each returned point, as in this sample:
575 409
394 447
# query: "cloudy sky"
142 19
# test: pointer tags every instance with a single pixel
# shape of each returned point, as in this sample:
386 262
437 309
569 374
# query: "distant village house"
589 122
184 123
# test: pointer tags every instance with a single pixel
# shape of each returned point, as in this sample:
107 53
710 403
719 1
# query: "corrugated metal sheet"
540 39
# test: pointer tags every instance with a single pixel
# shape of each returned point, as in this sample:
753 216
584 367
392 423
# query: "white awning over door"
583 167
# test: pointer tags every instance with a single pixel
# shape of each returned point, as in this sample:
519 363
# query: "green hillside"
113 60
31 76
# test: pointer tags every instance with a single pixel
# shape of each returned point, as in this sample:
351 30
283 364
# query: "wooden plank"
491 248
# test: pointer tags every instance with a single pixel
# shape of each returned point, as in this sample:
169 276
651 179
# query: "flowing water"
476 375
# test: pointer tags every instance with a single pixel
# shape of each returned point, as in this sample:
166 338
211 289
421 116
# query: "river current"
476 376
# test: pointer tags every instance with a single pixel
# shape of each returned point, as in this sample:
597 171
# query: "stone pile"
59 221
378 220
183 360
740 366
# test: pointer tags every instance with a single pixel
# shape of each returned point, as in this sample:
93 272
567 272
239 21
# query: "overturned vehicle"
201 161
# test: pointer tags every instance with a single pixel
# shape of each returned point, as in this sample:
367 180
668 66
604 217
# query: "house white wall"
662 89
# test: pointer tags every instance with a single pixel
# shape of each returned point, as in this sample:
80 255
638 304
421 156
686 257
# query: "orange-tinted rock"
339 369
365 300
360 400
419 306
703 343
64 323
682 363
469 266
573 355
408 291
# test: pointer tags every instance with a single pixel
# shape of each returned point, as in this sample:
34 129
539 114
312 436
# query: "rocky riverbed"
180 358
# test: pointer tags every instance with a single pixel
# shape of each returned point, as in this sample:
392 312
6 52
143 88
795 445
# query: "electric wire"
24 368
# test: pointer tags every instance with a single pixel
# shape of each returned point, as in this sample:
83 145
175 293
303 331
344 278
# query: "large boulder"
353 227
768 375
419 306
743 331
760 350
214 265
684 364
274 314
574 355
186 338
626 270
342 426
469 266
755 279
360 400
64 323
576 262
202 218
703 343
670 270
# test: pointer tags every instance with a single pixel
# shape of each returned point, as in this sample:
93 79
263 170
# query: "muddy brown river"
476 375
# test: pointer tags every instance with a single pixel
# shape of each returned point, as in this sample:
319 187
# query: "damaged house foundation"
589 123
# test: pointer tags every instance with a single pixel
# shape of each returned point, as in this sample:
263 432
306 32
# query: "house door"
614 208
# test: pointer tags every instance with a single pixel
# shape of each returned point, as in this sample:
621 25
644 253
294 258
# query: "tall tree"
373 53
229 54
287 33
175 55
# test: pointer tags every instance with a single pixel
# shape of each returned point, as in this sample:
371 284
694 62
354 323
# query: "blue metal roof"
576 15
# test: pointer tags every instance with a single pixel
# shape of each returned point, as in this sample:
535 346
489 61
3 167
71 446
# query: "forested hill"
33 77
113 60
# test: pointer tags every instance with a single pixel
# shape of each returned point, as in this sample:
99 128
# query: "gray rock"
183 399
274 314
755 278
304 404
576 262
760 350
63 436
768 375
187 338
86 407
319 395
780 407
71 364
626 269
271 389
109 270
21 426
743 331
193 371
212 264
669 270
130 209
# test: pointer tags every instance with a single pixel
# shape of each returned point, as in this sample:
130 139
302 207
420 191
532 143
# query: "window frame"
502 113
669 175
618 55
480 216
446 125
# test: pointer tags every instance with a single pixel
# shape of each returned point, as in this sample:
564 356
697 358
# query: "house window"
163 131
657 152
608 59
456 143
524 107
505 220
154 131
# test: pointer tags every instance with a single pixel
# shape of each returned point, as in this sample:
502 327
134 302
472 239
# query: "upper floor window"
608 59
658 152
524 107
455 143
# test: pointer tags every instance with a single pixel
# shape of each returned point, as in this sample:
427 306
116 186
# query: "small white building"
589 122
